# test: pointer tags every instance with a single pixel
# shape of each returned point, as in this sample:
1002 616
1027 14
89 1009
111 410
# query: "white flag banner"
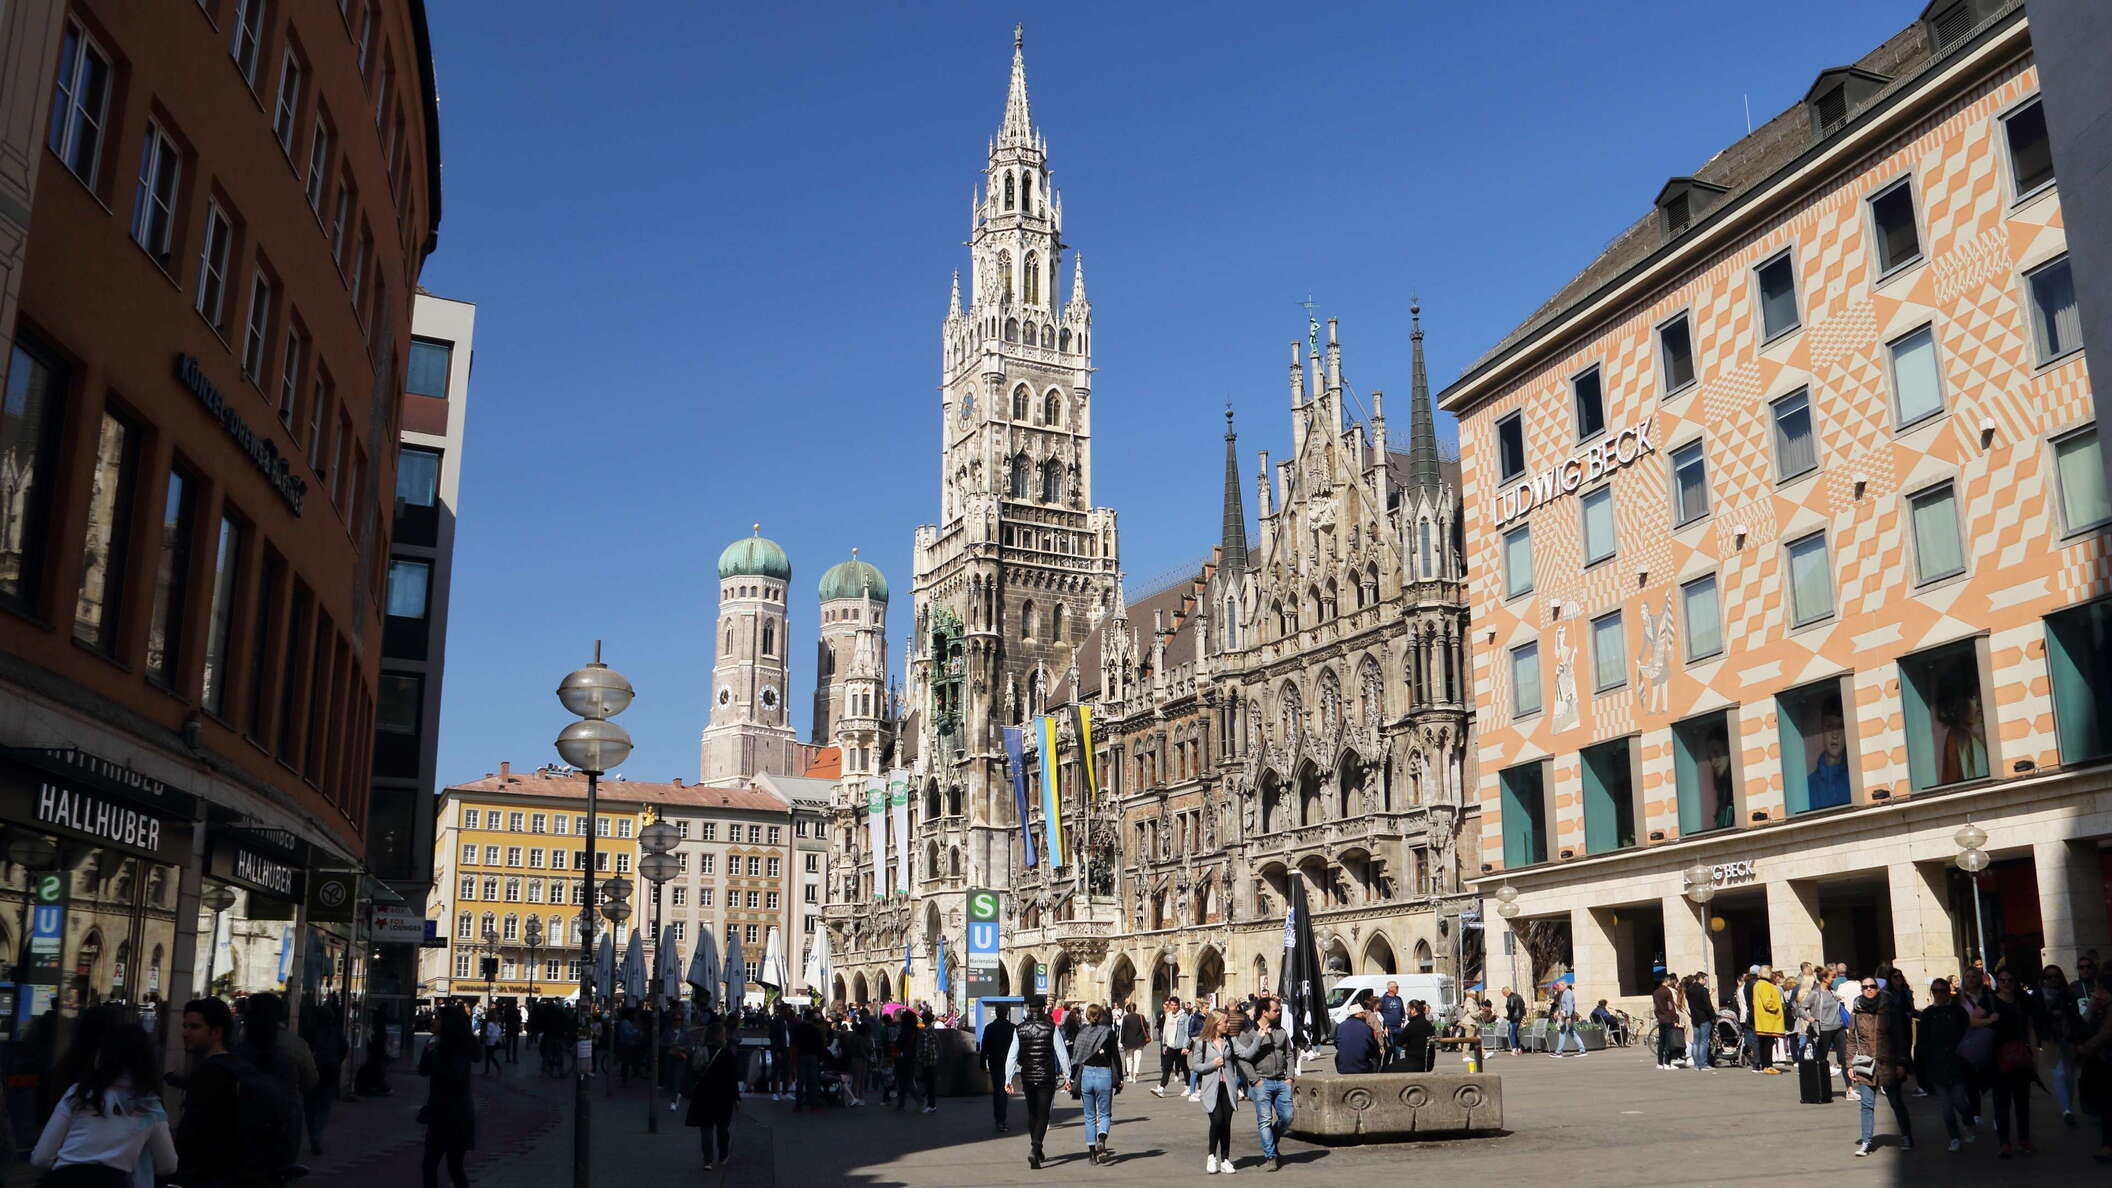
898 801
876 820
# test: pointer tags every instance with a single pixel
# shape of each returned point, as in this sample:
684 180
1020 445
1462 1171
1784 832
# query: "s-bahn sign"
1595 461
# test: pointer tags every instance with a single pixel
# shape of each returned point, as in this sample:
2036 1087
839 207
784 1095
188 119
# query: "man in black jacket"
1514 1014
996 1050
1701 1016
1041 1065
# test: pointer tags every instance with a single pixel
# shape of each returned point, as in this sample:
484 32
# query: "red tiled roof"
546 782
827 765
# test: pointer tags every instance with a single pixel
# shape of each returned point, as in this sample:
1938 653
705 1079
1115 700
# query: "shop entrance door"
1738 933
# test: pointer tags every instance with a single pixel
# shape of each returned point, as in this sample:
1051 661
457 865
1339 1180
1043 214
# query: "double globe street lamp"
533 938
594 744
656 867
1972 860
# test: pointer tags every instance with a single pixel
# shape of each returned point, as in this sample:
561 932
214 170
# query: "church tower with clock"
749 731
1020 563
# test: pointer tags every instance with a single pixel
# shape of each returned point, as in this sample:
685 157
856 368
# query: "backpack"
268 1114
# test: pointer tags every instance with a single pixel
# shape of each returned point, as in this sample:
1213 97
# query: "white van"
1434 988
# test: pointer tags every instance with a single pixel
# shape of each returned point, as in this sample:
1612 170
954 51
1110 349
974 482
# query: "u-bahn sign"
983 939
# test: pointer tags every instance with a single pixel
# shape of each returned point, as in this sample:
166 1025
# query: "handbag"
1977 1049
2014 1057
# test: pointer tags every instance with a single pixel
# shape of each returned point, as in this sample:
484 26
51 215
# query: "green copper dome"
853 579
755 556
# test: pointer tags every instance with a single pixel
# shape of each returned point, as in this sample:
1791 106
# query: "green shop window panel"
2079 660
1609 797
1701 768
1946 718
1524 815
1815 758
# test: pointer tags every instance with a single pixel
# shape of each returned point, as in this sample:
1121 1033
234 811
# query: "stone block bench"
1334 1107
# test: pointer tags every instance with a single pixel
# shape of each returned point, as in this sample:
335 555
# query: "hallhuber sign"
1588 465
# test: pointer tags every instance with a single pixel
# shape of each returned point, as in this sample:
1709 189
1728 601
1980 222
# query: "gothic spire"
1422 424
953 304
1018 127
1232 552
1078 279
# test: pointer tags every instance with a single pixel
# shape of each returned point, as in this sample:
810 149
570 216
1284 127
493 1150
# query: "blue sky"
710 247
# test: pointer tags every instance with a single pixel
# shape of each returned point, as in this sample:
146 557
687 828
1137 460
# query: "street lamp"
1507 907
490 949
218 900
656 867
1972 860
594 694
1701 883
533 938
615 911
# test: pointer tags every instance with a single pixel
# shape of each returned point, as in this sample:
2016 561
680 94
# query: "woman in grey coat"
1214 1084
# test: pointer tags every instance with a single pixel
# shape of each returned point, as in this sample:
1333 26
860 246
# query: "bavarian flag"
1083 716
1051 801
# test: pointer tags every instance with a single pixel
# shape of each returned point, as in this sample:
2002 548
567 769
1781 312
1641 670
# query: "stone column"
1687 937
1793 924
2071 900
1594 954
1922 937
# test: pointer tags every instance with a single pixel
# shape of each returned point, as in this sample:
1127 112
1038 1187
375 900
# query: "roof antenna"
1748 115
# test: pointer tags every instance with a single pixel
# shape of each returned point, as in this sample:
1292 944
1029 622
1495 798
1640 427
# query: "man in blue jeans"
1566 1021
1262 1055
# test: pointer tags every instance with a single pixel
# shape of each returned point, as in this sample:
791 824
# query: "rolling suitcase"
1814 1087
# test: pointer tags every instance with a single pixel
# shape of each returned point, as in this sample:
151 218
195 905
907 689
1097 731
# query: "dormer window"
1837 94
1683 200
1949 22
1678 213
1830 110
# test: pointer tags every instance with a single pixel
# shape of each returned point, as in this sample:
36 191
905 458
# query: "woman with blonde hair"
1214 1072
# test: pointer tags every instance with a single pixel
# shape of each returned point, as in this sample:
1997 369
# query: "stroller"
1726 1038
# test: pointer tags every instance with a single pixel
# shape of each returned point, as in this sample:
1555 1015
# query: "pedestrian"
928 1061
1136 1035
1356 1039
1213 1061
1701 1020
494 1035
1664 1005
510 1021
2058 1020
1393 1012
714 1091
2016 1069
110 1120
2093 1054
371 1079
781 1051
1876 1064
1040 1066
450 1115
1096 1064
905 1050
1264 1057
326 1041
1565 1018
1416 1034
1173 1043
1196 1015
1514 1018
995 1050
1937 1065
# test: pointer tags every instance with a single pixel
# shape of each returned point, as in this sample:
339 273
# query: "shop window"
2079 660
1939 693
1703 773
2079 459
1518 561
1815 753
1524 808
1609 796
1703 613
1938 552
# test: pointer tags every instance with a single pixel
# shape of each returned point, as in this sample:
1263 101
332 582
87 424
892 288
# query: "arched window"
1031 281
1018 484
1026 620
729 637
490 923
1429 564
463 926
769 639
512 929
1063 340
1019 403
1051 481
1051 409
1011 329
1004 277
1056 623
1026 192
1008 191
1048 336
1231 622
953 861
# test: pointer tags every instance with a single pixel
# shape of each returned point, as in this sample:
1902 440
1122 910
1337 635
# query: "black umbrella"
1298 982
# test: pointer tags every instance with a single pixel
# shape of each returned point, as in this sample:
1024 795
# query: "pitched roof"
1142 614
827 764
801 791
557 784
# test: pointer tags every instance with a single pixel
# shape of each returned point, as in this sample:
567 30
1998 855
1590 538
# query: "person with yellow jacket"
1769 1025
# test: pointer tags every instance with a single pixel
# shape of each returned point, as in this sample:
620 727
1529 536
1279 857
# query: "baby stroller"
1726 1038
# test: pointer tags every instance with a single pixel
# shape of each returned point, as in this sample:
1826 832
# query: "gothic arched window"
1063 340
1031 281
1026 620
1051 481
1008 191
1372 692
1429 563
1019 403
1051 409
1056 624
1019 476
1231 622
769 639
1048 336
1011 329
1004 277
1026 192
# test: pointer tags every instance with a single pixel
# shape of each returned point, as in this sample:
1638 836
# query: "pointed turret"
1232 554
1018 128
1078 279
953 303
1423 472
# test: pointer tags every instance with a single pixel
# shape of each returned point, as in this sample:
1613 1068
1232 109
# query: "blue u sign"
982 936
48 921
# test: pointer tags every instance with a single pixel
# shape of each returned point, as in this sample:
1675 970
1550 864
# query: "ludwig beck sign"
1588 465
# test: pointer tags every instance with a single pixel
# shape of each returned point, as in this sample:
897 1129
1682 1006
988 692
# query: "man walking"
1514 1014
1263 1056
1664 1003
1566 1018
1041 1066
1173 1043
1701 1013
1394 1013
996 1050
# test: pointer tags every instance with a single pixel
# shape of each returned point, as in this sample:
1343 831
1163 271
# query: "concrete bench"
1334 1107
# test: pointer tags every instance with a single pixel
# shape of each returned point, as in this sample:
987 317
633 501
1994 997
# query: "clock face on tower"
967 406
769 698
725 697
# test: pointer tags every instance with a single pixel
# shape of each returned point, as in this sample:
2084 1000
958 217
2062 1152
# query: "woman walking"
2058 1023
1213 1068
1096 1063
450 1117
109 1120
1937 1064
2016 1070
714 1091
1874 1063
1136 1036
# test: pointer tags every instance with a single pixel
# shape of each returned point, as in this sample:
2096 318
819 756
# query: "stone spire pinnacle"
953 303
1232 552
1018 127
1423 469
1078 278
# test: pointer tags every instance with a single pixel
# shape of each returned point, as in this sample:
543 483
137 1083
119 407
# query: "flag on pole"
909 964
1051 798
1083 714
1015 760
876 823
1298 978
898 804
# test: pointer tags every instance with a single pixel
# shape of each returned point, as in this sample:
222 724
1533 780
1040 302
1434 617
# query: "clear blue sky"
710 244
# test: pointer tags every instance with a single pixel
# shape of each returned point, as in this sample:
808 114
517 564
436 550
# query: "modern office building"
232 201
1787 537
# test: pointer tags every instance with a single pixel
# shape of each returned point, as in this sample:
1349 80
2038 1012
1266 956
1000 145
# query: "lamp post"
593 694
533 938
657 866
1972 860
1700 889
490 949
615 911
219 899
1507 907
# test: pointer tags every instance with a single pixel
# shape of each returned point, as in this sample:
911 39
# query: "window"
2079 662
755 900
358 279
623 864
1703 774
1609 652
777 835
172 577
248 38
491 853
1814 735
291 376
286 112
319 144
1518 561
1525 680
535 858
1675 352
755 835
513 822
1938 552
1810 580
1892 221
704 897
1916 388
469 855
1777 281
154 206
2055 320
511 930
707 864
775 867
748 935
1522 793
1796 446
513 890
1588 399
755 868
1690 484
811 893
341 215
469 818
407 588
427 372
366 35
462 965
770 900
539 823
813 862
679 896
2079 458
257 341
417 476
1609 796
1946 720
491 886
109 532
214 248
79 104
682 862
1598 525
221 612
1510 446
535 890
513 855
681 932
623 827
2030 154
463 926
708 831
560 824
1704 618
